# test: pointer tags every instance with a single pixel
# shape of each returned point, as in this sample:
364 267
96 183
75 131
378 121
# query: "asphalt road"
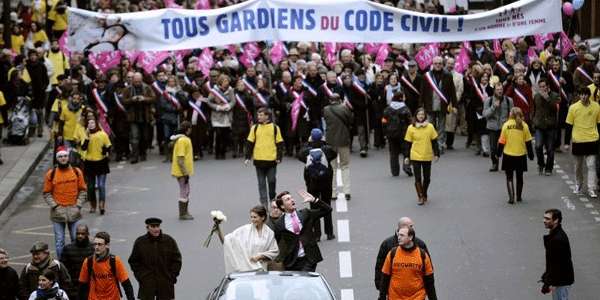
482 247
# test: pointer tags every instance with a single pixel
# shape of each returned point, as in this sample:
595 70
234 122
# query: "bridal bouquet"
218 217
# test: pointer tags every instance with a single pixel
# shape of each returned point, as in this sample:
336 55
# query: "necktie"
295 223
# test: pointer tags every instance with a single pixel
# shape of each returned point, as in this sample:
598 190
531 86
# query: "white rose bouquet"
218 217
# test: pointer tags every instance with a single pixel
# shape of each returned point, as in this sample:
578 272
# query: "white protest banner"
354 21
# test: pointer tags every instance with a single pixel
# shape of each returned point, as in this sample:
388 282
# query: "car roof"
237 275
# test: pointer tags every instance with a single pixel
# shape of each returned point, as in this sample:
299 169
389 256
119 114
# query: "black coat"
156 263
448 89
288 241
330 155
28 281
559 267
39 82
72 257
9 284
385 248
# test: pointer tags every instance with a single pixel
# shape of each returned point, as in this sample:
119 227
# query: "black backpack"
317 167
395 126
113 269
393 253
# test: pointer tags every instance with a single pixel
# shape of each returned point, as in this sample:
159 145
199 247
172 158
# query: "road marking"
594 212
584 199
119 167
343 229
565 177
345 264
559 171
589 205
347 294
149 168
341 205
34 231
569 182
597 219
569 204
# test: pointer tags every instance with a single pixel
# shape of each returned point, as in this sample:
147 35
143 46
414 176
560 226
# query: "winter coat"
339 119
73 256
221 114
559 267
402 112
242 118
9 284
330 155
358 102
39 82
447 88
156 263
385 248
53 293
544 111
139 111
28 281
496 116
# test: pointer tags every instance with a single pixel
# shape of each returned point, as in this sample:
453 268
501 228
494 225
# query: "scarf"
421 124
43 264
102 257
74 106
50 293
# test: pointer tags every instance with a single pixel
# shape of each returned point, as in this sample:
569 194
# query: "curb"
5 200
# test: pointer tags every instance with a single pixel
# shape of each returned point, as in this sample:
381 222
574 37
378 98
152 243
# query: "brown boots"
183 211
420 195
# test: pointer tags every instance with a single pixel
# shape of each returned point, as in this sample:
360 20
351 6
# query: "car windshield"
276 288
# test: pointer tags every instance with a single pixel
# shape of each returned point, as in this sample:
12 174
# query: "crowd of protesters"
507 93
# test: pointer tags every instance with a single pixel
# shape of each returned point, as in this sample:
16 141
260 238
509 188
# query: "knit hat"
316 134
62 150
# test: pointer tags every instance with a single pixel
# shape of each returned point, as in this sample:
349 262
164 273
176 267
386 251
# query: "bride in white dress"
251 246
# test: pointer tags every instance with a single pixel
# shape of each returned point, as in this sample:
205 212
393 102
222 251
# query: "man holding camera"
139 100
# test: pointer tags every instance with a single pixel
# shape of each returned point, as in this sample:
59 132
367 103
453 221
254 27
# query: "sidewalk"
19 162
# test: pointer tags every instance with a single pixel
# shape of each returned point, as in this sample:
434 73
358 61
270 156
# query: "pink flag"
205 61
425 56
277 52
372 48
149 60
251 50
202 4
171 4
382 54
179 55
497 48
62 44
531 54
566 44
330 53
349 46
467 45
232 48
105 60
246 60
462 61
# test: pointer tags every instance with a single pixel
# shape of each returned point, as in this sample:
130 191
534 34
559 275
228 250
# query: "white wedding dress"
246 242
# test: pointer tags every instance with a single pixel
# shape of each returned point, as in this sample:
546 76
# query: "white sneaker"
577 189
592 194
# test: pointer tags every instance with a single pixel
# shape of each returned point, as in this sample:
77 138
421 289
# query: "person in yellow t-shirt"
595 87
97 147
182 166
514 145
37 34
69 120
422 147
59 18
584 116
16 40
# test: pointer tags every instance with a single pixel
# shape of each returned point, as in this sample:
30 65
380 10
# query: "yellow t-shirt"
59 62
71 119
79 135
265 148
17 42
421 138
97 141
595 96
183 147
584 120
514 139
39 36
2 103
60 20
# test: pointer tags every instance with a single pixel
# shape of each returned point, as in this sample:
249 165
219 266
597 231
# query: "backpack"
113 269
75 169
395 126
317 167
274 133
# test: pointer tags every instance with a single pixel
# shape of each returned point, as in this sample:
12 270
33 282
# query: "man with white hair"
437 94
347 59
392 242
454 118
139 100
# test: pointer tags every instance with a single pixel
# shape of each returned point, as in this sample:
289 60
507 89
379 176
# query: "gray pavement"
482 248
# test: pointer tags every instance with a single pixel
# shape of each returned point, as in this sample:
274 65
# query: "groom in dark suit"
298 249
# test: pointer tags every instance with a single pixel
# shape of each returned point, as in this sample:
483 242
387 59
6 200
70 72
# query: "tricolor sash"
584 73
477 89
99 102
358 86
296 105
409 84
119 104
188 81
502 67
261 99
219 95
240 102
434 86
310 89
249 86
283 88
347 102
166 94
327 90
197 109
102 110
339 80
556 83
521 96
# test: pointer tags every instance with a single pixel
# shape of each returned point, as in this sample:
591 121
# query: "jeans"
561 292
590 161
544 138
438 120
139 137
184 188
344 166
264 176
92 182
59 235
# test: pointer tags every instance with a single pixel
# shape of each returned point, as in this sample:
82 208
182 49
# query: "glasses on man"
98 244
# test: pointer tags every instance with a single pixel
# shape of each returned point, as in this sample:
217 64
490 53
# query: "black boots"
420 195
511 191
183 211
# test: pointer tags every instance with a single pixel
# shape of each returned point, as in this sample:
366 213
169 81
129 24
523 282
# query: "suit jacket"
448 90
288 241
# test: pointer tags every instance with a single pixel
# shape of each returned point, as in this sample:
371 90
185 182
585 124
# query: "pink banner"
171 4
277 52
330 53
132 55
202 4
382 54
531 54
349 46
497 48
62 44
105 60
179 55
467 45
372 48
565 44
149 60
462 61
251 50
205 61
541 39
425 56
232 49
